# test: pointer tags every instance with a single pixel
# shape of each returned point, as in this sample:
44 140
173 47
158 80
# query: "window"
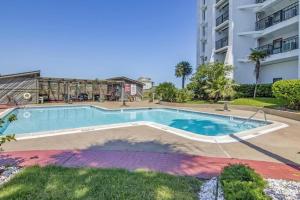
202 60
276 79
203 46
203 31
277 45
203 15
203 2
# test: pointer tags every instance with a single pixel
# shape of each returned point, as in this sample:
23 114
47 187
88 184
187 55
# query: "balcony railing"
222 18
259 1
285 45
277 17
222 43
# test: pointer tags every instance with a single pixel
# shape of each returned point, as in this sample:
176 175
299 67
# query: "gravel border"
276 189
283 190
211 190
7 172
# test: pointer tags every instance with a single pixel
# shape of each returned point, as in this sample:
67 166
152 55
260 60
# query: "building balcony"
260 1
221 19
220 3
259 5
286 45
279 51
222 43
289 24
277 17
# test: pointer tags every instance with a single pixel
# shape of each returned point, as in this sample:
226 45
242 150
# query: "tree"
257 56
167 91
211 81
7 138
183 69
183 95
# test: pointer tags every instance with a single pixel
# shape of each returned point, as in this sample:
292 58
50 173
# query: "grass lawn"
198 102
258 102
38 183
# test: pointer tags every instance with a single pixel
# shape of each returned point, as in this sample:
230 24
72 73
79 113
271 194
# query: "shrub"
183 95
289 91
242 182
247 90
211 82
7 138
167 91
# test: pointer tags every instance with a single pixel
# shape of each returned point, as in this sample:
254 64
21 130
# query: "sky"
98 38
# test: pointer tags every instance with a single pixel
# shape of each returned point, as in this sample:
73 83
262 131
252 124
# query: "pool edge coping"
243 135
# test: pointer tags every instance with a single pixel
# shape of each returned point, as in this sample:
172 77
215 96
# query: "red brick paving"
4 106
199 166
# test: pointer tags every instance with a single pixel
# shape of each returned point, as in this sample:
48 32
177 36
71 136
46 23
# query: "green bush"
289 91
247 90
211 82
183 95
167 91
242 182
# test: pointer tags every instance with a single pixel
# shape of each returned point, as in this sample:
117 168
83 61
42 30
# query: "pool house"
13 88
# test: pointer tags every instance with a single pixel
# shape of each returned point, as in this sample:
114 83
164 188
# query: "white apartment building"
148 83
228 29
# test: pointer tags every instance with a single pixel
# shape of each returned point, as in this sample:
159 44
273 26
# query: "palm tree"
257 56
7 138
183 69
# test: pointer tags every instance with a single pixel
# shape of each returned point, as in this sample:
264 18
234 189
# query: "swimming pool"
38 120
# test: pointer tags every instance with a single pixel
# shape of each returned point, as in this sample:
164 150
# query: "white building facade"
228 29
148 83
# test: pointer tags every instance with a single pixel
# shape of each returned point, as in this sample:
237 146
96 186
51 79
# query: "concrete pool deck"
281 146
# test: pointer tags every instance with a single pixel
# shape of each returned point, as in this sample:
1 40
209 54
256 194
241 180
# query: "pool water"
32 120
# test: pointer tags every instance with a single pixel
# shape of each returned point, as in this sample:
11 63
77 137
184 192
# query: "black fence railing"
259 1
285 45
222 18
222 43
277 17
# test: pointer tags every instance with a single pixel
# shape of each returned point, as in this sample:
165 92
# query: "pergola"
64 89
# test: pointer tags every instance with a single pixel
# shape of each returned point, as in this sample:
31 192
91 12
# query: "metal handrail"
287 44
221 43
265 116
277 17
222 18
260 1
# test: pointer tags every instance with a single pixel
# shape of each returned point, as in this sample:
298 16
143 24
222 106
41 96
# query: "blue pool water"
31 120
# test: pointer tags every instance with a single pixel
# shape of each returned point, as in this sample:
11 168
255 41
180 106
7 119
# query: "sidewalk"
179 164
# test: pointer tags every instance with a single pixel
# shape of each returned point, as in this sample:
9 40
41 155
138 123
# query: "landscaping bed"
241 182
52 182
85 183
257 102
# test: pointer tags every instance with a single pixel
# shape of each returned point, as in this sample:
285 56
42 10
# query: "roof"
55 79
36 73
145 79
123 78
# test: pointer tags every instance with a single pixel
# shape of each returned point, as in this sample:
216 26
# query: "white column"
213 41
298 45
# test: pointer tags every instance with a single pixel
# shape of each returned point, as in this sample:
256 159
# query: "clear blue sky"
97 38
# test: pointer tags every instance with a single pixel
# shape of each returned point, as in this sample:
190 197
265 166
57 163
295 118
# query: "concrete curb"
280 113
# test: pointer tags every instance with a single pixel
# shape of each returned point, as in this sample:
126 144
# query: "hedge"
242 182
289 91
247 90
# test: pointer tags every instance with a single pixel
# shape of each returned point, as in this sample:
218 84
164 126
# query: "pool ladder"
251 117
